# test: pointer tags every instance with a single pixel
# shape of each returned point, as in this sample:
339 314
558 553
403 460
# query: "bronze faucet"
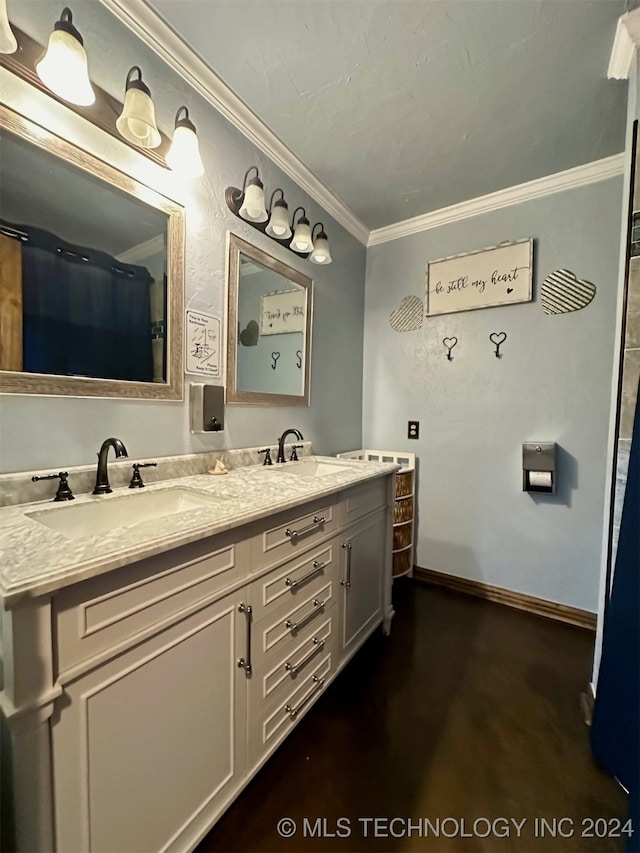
281 441
102 480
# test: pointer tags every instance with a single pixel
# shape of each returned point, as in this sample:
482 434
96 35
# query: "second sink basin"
312 468
76 521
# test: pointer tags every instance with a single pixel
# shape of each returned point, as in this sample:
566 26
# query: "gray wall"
552 384
57 432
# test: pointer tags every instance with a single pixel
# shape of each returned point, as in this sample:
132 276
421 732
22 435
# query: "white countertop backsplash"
36 560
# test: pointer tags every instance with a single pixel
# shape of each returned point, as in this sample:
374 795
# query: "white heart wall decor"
408 317
563 292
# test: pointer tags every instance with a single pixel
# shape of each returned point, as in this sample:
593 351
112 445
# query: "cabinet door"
361 579
149 747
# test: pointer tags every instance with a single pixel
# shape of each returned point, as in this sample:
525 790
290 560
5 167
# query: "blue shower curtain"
84 312
615 732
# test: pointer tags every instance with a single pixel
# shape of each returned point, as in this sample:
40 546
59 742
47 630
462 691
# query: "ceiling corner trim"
579 176
626 41
147 25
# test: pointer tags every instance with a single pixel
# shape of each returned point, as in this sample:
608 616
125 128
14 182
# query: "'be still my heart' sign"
501 275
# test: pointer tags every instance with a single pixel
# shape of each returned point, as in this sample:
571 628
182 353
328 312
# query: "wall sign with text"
283 312
500 275
202 340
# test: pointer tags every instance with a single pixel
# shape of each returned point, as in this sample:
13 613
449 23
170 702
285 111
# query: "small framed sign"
499 275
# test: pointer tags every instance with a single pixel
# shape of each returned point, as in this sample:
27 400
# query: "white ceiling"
401 107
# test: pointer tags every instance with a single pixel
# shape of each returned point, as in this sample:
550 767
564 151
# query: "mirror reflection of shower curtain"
84 314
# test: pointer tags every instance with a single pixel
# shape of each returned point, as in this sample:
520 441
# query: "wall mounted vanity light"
184 154
301 241
278 225
248 204
321 253
8 43
63 68
32 64
137 121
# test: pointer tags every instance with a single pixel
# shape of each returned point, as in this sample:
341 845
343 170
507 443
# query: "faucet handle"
64 492
294 454
267 457
136 479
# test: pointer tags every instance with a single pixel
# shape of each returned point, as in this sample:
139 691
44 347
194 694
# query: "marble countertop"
36 560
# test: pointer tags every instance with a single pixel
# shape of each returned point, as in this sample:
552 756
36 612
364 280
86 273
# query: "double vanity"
159 644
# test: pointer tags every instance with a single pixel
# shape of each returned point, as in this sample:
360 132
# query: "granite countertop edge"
36 560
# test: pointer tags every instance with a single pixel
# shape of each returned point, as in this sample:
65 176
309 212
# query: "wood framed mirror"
91 274
269 310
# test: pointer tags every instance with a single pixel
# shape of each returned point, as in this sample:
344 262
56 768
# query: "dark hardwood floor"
469 711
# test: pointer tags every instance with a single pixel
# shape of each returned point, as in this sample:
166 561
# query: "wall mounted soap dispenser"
207 407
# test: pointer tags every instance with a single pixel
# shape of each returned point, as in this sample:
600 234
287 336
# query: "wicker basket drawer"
404 484
402 562
402 536
403 510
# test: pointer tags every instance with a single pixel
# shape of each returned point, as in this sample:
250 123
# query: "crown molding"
626 40
579 176
145 22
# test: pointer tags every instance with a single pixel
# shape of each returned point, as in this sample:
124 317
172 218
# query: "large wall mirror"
269 308
91 274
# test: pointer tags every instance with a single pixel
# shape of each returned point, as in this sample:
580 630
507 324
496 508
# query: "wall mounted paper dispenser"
207 407
539 467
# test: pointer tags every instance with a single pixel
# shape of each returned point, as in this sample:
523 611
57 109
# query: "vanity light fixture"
250 199
137 121
63 67
321 253
8 43
278 226
301 240
184 154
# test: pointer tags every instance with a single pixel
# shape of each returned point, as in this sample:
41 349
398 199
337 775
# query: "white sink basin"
312 468
76 521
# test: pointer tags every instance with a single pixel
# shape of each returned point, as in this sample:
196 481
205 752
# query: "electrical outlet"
413 429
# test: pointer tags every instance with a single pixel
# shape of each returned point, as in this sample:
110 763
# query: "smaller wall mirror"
269 308
91 274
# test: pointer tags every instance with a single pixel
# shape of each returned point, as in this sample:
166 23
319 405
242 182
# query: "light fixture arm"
246 175
185 121
66 24
281 199
313 230
293 218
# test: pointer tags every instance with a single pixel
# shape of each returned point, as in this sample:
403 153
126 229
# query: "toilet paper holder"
539 467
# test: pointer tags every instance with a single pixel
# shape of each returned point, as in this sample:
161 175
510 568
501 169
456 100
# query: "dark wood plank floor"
469 711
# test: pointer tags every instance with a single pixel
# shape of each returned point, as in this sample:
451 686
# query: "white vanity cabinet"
150 694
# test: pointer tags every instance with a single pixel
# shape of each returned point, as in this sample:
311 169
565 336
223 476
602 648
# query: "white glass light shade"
137 121
63 69
302 241
253 208
278 226
321 253
8 43
184 154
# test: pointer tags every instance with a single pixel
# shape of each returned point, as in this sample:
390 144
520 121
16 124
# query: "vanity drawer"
289 661
268 729
283 626
293 532
292 582
363 499
107 613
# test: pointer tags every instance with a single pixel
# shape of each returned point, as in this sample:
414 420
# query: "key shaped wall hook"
449 344
498 338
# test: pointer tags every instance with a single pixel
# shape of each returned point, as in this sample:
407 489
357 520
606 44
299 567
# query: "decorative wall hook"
498 338
299 358
275 356
449 344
